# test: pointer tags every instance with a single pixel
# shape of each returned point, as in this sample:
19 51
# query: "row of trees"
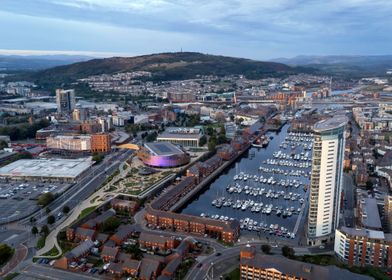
6 253
216 138
50 220
23 131
287 251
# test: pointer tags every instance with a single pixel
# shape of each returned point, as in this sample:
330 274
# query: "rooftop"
163 148
178 132
54 168
370 215
331 123
362 232
299 269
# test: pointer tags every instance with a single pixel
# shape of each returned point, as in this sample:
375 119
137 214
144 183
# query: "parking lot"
18 199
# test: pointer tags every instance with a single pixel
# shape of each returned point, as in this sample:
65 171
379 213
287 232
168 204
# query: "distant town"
128 176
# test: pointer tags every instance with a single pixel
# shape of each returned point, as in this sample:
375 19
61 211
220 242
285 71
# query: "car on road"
218 254
199 265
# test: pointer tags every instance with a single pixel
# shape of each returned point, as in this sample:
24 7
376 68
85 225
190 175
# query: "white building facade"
326 179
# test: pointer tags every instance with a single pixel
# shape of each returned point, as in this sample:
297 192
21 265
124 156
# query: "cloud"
282 26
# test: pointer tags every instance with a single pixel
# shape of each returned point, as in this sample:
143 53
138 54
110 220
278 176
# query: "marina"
265 189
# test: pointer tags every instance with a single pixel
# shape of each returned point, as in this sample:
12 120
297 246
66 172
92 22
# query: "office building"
80 114
65 100
326 179
79 143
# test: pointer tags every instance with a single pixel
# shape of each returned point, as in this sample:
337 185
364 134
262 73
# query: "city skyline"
248 29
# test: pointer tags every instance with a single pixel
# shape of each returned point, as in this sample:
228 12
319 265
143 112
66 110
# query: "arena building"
163 155
50 170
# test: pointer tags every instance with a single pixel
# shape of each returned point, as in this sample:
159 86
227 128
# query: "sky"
258 29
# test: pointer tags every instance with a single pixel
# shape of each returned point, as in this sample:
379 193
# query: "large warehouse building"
52 170
163 154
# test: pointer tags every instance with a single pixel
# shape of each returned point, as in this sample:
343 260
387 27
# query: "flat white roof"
54 168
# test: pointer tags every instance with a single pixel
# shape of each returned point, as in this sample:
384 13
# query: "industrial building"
53 170
187 137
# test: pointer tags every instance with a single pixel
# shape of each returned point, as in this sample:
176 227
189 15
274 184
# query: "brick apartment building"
364 247
100 142
225 231
156 241
258 266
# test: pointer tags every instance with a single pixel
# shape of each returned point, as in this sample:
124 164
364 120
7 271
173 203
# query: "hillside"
164 66
342 64
37 62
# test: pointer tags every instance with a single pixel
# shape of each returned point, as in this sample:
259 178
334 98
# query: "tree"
45 230
45 199
66 209
51 219
212 144
135 251
203 141
151 137
222 130
266 248
221 139
32 220
209 130
97 157
3 144
111 224
288 252
34 230
369 185
6 253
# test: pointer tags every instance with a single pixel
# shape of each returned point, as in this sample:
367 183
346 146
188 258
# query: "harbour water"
269 181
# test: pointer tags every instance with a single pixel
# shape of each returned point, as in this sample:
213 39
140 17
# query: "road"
349 202
35 271
20 232
82 189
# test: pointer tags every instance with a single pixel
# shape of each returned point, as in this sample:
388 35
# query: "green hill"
164 66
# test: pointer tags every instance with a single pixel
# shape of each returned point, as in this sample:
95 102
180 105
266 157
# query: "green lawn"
183 268
86 211
11 276
94 199
41 242
52 252
234 275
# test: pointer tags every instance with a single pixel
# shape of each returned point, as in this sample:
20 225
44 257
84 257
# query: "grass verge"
41 242
233 275
11 276
86 211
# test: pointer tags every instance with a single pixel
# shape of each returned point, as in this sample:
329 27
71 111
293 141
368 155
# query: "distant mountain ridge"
164 66
372 64
37 62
